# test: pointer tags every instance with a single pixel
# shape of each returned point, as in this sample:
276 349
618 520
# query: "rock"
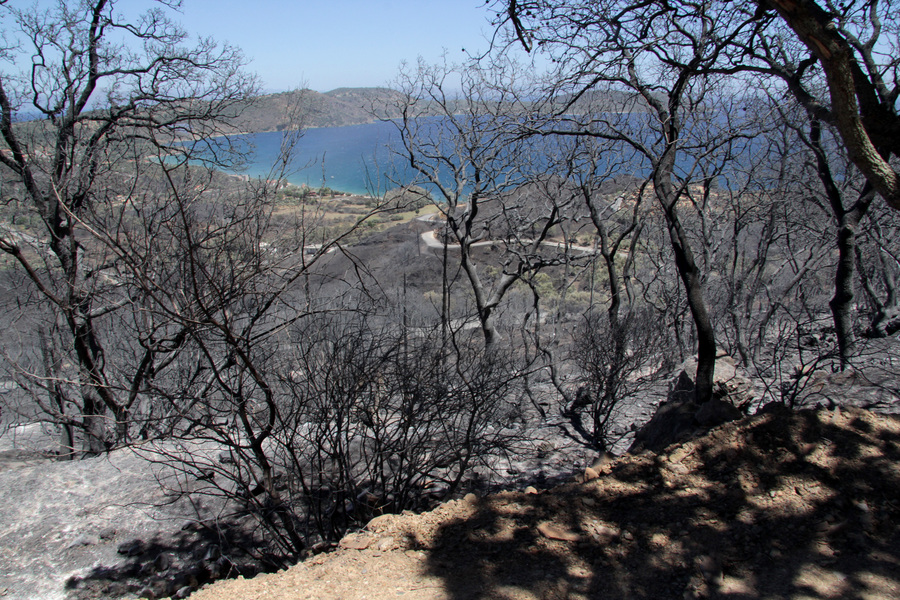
195 574
680 418
556 532
603 459
131 569
85 540
809 341
709 567
386 543
728 383
212 553
590 474
147 569
215 570
381 522
224 563
673 422
355 541
163 562
471 498
108 533
678 469
160 588
604 534
531 490
848 388
131 547
775 408
683 386
885 323
183 592
147 594
715 412
678 454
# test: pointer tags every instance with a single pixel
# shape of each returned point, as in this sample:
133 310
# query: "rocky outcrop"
728 384
680 418
874 390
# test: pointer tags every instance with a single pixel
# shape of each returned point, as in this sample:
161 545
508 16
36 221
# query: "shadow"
786 505
167 564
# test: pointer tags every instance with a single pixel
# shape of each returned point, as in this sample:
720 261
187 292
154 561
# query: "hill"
779 505
351 106
337 108
357 106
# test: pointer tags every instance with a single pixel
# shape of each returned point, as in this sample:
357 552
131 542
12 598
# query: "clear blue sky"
326 44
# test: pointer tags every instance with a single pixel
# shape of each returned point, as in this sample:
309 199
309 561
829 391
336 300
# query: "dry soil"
781 505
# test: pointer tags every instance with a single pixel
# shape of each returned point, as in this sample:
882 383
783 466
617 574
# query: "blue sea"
355 159
358 159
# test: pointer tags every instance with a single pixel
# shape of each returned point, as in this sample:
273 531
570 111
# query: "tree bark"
847 221
690 276
846 81
841 303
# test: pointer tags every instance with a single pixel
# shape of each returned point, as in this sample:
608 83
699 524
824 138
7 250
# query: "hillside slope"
356 106
780 505
308 108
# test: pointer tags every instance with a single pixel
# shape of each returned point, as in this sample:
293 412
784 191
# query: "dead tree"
100 103
644 76
464 148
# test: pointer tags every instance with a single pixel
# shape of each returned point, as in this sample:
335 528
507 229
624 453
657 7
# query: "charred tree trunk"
57 398
847 221
841 303
886 313
690 276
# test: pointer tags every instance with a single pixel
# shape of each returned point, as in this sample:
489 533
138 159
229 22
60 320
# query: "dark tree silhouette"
103 90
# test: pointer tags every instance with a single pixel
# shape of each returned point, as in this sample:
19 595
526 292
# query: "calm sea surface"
358 159
354 159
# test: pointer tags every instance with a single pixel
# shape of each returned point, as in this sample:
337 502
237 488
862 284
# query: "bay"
356 158
359 159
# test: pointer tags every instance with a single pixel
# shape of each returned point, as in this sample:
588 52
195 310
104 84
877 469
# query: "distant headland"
308 109
303 109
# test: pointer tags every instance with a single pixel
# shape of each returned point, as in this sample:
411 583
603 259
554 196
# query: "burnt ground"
780 505
107 527
801 505
111 527
795 506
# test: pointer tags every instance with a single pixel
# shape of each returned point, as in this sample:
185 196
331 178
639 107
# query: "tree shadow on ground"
165 564
784 505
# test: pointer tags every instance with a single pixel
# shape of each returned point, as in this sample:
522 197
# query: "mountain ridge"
300 109
340 107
